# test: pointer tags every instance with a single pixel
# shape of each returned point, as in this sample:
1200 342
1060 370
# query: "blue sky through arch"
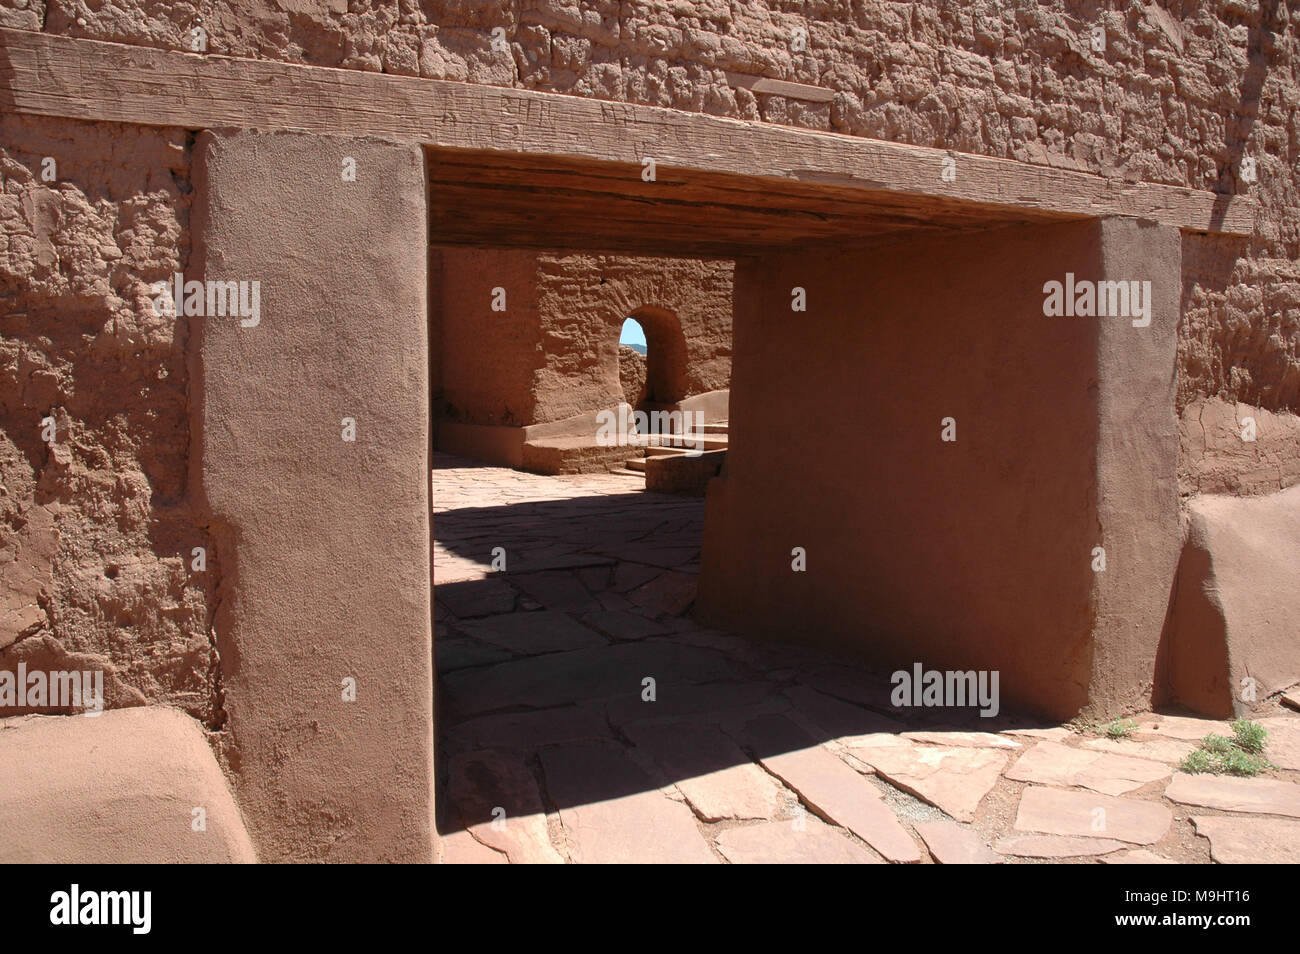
632 333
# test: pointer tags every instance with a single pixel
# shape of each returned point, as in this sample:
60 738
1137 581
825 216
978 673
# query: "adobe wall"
1180 94
1137 447
974 553
100 526
1215 459
631 374
552 353
97 530
486 359
582 301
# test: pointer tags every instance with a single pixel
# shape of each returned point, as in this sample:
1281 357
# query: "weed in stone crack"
1240 755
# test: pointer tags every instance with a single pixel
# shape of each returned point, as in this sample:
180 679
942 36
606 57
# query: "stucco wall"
973 553
485 359
325 527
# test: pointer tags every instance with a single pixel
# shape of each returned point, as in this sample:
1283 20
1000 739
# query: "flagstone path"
583 716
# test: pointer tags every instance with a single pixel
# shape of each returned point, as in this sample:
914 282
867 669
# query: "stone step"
570 455
636 464
666 451
703 442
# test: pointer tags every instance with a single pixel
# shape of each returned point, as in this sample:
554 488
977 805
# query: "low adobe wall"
1236 608
1231 643
135 786
975 553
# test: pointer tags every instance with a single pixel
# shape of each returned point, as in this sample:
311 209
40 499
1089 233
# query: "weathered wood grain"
494 199
776 87
88 79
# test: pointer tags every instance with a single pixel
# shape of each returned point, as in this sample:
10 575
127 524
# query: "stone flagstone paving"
584 716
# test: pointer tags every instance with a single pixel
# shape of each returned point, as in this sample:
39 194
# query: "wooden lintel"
49 75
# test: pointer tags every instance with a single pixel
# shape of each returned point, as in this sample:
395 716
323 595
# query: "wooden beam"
512 199
776 87
51 75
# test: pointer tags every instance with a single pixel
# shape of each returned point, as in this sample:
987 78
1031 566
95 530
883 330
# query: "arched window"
652 357
632 361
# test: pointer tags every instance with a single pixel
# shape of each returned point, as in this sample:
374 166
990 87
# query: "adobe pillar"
311 462
976 551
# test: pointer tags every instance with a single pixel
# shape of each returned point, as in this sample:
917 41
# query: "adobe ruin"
526 355
863 226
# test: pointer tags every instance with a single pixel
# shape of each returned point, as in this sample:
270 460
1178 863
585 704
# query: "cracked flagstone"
1247 841
1180 727
988 740
1283 746
1055 846
782 842
715 776
828 786
545 631
1172 751
1053 734
951 844
1050 763
527 730
1137 856
613 813
460 848
1058 812
1265 796
497 800
954 780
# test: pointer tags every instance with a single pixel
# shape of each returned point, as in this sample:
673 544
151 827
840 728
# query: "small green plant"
1121 729
1249 736
1240 755
1199 762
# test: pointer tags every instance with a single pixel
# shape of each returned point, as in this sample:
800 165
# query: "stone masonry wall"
96 532
1181 93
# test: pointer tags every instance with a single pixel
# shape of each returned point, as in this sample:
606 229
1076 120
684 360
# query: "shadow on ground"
576 676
